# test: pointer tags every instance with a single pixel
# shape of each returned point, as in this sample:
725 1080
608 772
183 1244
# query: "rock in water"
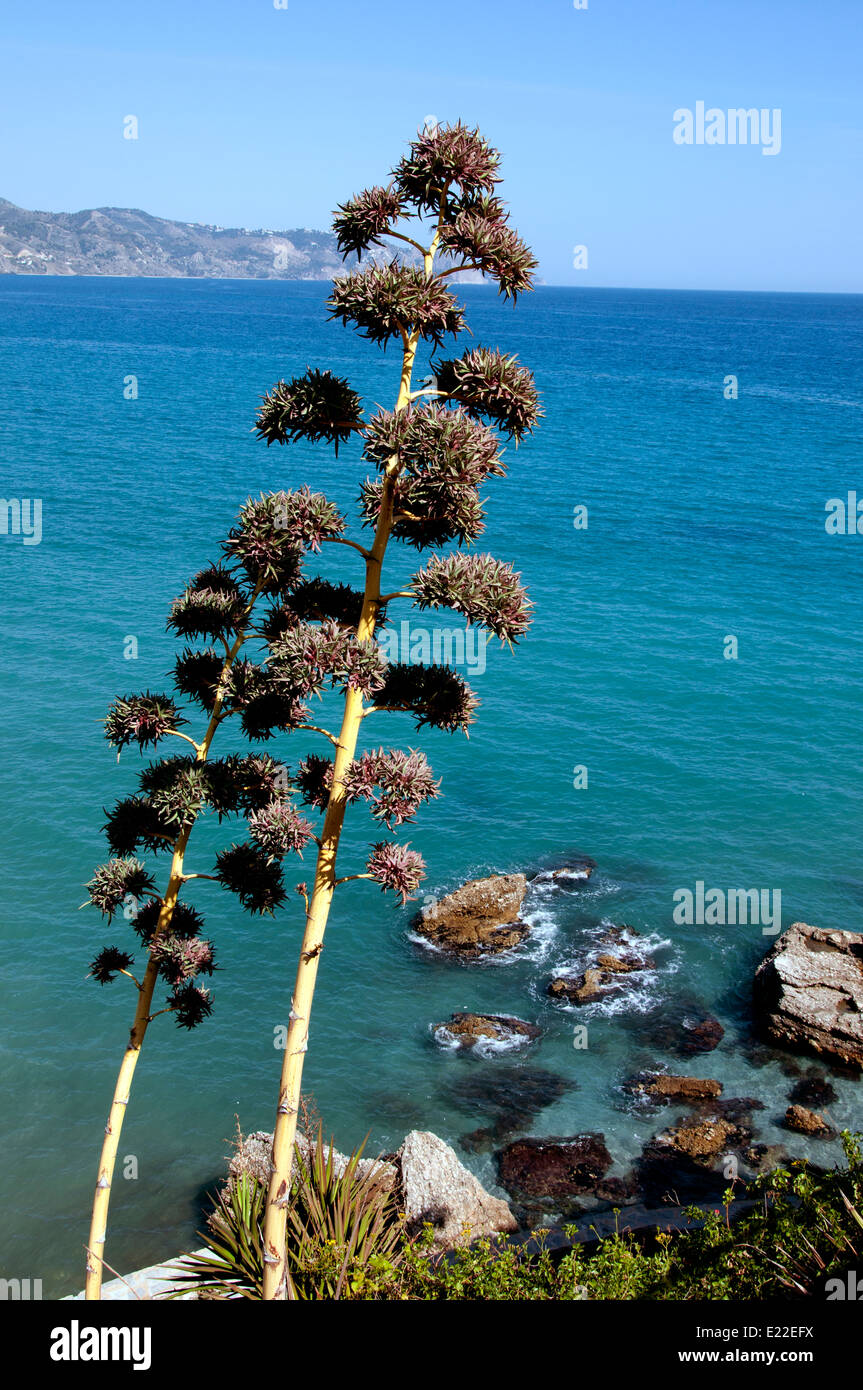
663 1087
554 1167
808 1122
466 1030
808 992
480 918
437 1188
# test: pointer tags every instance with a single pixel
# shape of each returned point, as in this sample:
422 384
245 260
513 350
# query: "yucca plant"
340 1221
431 453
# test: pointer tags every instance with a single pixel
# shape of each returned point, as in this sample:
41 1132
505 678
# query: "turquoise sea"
706 520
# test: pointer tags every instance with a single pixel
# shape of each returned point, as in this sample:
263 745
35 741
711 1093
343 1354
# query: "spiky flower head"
181 958
435 443
113 882
191 1005
134 823
244 784
247 871
317 600
315 780
186 921
397 868
109 962
493 387
443 156
362 221
314 406
272 533
308 656
212 605
434 695
395 782
266 703
279 829
386 301
486 590
428 510
196 675
489 244
142 719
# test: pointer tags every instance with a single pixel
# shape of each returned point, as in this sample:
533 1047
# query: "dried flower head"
395 782
397 868
247 871
279 829
486 590
434 695
109 962
191 1005
493 387
362 221
142 719
387 301
113 882
315 406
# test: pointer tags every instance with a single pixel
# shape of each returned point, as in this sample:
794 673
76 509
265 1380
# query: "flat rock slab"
480 918
808 992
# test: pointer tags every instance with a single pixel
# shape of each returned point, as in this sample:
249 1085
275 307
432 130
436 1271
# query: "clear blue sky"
256 116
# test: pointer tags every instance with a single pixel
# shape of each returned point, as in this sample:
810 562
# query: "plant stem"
123 1086
276 1282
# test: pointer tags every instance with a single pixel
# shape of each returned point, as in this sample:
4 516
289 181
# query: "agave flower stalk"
432 452
262 560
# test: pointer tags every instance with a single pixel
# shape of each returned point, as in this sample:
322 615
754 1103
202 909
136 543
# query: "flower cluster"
486 590
273 532
397 868
315 780
315 406
142 719
266 705
362 221
318 600
447 155
388 301
434 695
493 387
113 882
135 824
211 606
191 1005
109 962
396 784
427 511
436 443
240 785
182 957
278 829
484 240
308 656
255 878
186 921
197 674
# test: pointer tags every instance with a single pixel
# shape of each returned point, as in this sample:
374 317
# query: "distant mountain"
126 241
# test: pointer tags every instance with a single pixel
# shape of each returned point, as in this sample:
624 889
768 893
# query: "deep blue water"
706 520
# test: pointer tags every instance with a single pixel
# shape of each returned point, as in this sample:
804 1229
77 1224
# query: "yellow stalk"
276 1283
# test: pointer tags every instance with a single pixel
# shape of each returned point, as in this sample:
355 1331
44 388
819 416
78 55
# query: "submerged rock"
664 1088
466 1030
805 1121
554 1168
680 1027
808 992
436 1188
508 1097
812 1090
480 918
576 870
